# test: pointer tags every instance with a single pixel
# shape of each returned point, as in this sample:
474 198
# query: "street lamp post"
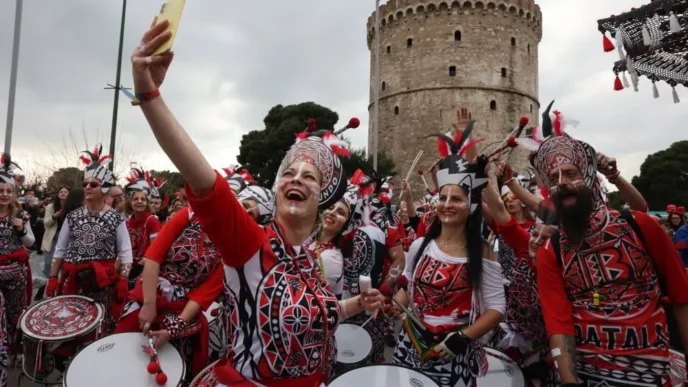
115 107
13 75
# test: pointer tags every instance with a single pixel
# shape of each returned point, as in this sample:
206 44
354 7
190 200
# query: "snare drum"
119 360
501 372
217 334
354 346
383 375
54 330
205 378
678 368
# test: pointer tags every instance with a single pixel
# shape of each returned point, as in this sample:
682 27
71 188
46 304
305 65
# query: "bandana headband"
7 168
265 200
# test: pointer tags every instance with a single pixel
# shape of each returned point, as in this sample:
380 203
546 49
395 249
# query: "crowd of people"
534 264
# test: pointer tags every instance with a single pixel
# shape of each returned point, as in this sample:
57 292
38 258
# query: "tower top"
396 10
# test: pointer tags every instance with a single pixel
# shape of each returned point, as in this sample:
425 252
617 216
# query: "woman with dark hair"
75 199
455 285
54 217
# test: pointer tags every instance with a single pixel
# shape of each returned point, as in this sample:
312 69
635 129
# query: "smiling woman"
270 271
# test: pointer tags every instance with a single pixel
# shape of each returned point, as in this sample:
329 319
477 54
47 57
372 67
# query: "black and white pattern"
9 240
445 373
624 371
93 236
4 355
13 282
264 199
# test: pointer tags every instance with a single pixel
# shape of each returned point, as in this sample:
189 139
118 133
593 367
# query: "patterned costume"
190 269
283 314
440 288
4 356
15 272
607 292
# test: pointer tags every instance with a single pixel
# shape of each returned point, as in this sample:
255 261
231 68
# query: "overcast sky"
236 59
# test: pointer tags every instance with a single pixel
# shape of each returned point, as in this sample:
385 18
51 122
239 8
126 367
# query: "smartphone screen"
171 11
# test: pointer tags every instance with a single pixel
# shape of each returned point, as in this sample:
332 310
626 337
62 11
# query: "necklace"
95 212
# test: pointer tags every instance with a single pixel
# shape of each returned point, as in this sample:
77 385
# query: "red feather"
341 151
2 159
85 160
556 124
367 190
302 136
131 179
357 177
470 145
442 148
544 192
96 152
104 158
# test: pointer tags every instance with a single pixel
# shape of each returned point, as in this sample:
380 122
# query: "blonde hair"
127 203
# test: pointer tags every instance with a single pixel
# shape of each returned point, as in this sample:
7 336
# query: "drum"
119 360
54 330
354 346
217 333
678 368
501 371
205 378
383 375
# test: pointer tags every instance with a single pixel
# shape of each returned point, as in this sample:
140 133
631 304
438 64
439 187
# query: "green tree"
616 201
70 177
173 181
663 177
262 151
360 160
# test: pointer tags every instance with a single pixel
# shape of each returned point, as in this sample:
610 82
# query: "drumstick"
387 291
402 283
413 166
154 364
368 320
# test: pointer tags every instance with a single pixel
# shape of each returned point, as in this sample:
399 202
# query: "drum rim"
64 377
387 365
195 379
91 328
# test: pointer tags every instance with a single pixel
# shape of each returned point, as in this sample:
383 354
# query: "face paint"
446 204
297 177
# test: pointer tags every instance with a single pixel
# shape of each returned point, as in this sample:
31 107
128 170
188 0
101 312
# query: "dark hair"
57 203
75 200
474 244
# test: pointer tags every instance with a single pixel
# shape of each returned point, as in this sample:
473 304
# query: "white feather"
528 143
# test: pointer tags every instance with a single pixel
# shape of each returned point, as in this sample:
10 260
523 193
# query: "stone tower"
440 55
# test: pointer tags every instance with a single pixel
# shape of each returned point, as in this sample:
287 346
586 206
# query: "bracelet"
174 325
614 178
140 98
508 181
52 277
22 233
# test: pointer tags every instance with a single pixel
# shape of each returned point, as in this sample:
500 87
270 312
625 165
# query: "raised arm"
149 72
607 166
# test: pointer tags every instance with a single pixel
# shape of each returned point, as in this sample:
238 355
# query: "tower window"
389 49
493 105
503 72
396 110
528 48
457 36
452 71
384 85
531 107
409 42
513 42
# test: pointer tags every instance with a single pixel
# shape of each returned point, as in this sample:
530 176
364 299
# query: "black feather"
547 122
452 145
466 134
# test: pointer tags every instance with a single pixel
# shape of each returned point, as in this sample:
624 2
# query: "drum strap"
226 374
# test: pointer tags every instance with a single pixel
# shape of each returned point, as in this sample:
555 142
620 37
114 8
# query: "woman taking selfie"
267 270
452 277
54 216
15 239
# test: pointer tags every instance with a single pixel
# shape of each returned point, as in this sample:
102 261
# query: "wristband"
174 325
22 233
508 181
140 98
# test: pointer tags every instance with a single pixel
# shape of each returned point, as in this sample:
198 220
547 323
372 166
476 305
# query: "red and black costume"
608 292
190 269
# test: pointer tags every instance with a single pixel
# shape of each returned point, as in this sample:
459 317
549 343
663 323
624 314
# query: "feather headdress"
96 167
139 181
7 168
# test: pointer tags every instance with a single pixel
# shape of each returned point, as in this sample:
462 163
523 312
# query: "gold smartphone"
171 11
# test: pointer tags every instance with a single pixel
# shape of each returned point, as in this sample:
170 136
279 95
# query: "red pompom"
312 125
215 312
420 171
511 142
523 122
161 378
402 282
354 123
681 210
607 44
386 290
385 199
618 85
671 208
153 367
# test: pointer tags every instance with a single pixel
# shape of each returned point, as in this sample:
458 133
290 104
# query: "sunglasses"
91 184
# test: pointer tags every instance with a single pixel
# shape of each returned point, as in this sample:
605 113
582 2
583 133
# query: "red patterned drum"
206 378
54 330
678 368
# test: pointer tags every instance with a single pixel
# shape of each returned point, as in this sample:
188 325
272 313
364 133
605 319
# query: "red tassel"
618 85
607 44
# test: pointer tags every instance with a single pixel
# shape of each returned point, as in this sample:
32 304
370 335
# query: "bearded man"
603 278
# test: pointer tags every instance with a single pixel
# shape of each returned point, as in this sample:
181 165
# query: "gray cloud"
235 60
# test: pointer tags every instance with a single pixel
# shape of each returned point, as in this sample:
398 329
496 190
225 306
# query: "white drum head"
501 372
209 313
383 375
353 343
118 360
